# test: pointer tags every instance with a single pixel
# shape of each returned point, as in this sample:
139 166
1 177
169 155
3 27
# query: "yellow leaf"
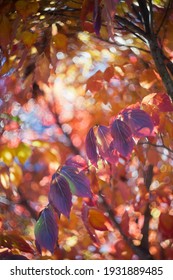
28 38
16 174
6 155
23 152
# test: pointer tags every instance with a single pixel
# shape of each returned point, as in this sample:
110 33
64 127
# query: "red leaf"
166 225
13 240
160 100
95 83
91 231
109 73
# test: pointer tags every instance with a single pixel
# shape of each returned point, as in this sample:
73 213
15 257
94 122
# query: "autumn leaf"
28 38
98 220
60 41
46 231
91 148
122 137
95 83
60 195
166 225
78 182
139 122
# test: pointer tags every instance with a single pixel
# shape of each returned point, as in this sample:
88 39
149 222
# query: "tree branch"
142 253
148 177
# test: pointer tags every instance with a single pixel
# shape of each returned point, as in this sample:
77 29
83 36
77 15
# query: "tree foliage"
86 151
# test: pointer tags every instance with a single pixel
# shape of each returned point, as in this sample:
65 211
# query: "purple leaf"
60 195
122 137
46 230
78 182
104 141
91 149
139 122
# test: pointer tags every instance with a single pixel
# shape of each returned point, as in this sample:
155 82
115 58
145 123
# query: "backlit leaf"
60 195
46 230
122 136
104 144
78 182
97 219
91 150
139 122
160 100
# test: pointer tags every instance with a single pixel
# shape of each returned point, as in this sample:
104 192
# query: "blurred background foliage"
58 79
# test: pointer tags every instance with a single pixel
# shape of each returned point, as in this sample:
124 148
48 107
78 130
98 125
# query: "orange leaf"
98 220
28 38
147 79
60 41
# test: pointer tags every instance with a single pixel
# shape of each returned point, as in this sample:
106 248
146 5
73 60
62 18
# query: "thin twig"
156 145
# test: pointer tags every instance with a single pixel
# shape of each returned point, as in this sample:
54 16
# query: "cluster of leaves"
65 93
